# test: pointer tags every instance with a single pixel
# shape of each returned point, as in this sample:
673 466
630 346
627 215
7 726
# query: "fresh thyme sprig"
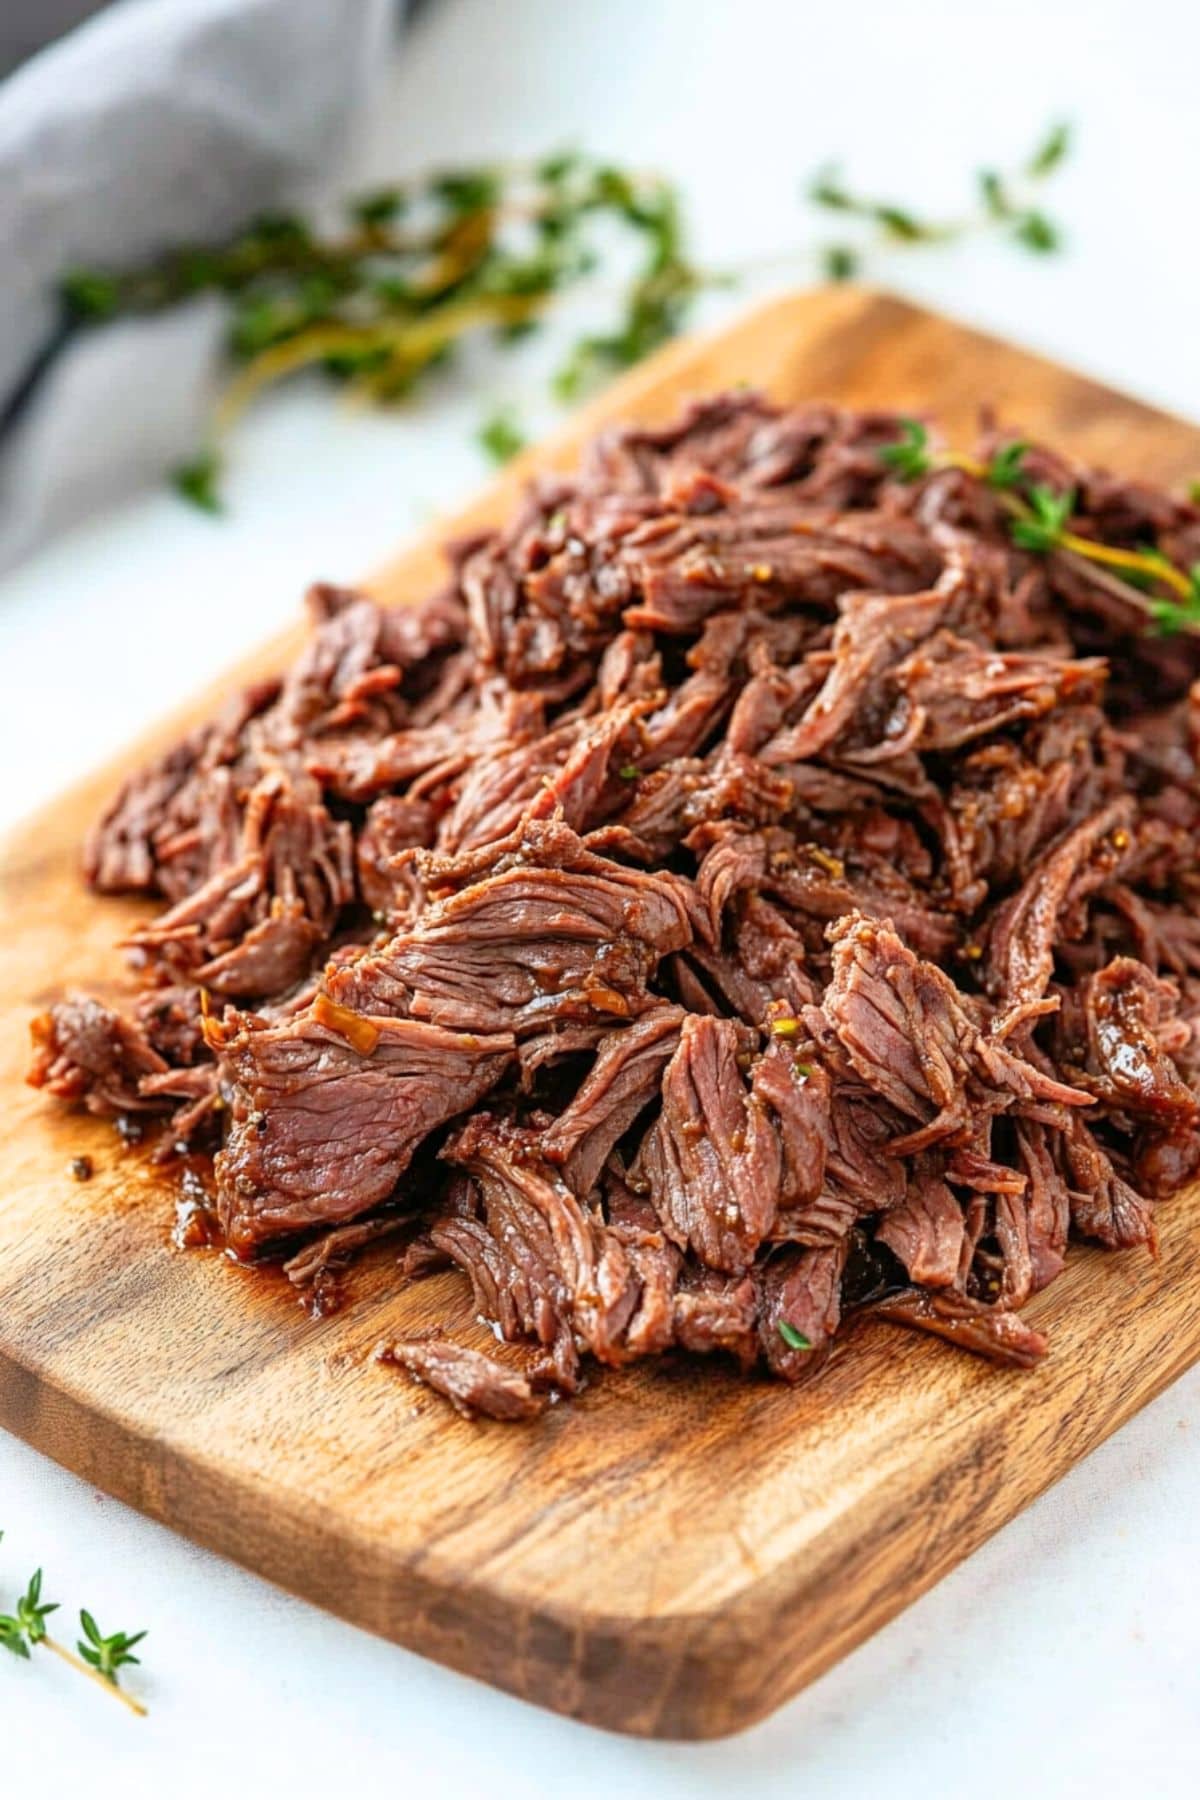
377 305
1006 205
380 302
1040 518
24 1630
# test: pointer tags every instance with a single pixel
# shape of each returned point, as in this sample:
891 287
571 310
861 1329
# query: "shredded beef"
472 1382
751 892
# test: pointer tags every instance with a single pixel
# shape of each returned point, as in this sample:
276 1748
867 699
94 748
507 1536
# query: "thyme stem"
110 1687
413 342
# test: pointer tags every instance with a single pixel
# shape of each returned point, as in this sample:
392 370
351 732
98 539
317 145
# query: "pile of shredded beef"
753 891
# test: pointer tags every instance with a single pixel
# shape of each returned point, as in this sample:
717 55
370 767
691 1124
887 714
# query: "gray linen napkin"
155 123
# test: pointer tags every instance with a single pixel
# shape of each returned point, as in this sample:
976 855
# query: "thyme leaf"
840 262
909 457
1042 527
32 1612
1051 151
795 1340
106 1654
1005 469
1168 616
500 437
198 481
1037 232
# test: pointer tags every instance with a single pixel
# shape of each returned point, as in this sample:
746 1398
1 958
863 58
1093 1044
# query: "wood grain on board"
681 1549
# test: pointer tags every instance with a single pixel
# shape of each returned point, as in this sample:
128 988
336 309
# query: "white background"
1064 1658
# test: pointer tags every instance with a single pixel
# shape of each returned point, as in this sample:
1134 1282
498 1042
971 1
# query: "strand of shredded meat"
752 892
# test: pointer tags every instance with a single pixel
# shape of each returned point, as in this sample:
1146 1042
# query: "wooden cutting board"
680 1550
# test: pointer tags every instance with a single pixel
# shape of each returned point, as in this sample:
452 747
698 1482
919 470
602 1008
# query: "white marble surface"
1061 1660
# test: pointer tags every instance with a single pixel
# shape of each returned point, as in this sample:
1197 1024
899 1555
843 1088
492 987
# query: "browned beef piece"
254 927
361 765
1048 1204
717 1312
1116 1033
624 1079
926 1230
765 963
86 1051
1103 1204
1009 801
495 792
319 1130
472 1382
542 1269
173 1021
861 1176
904 1029
364 662
654 1264
334 1248
811 883
673 573
125 849
800 1306
554 1042
722 1158
1001 1336
392 824
873 632
544 1266
952 691
1020 955
558 933
154 1061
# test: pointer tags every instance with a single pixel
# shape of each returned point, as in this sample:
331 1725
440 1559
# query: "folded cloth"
158 122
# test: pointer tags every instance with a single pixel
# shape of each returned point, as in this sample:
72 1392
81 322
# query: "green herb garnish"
1178 615
795 1340
1050 152
379 303
909 456
423 264
1037 232
1039 521
198 481
1006 205
994 194
500 437
106 1654
1043 526
839 262
1005 469
24 1630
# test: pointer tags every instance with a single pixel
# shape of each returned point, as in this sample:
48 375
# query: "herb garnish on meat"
1040 519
